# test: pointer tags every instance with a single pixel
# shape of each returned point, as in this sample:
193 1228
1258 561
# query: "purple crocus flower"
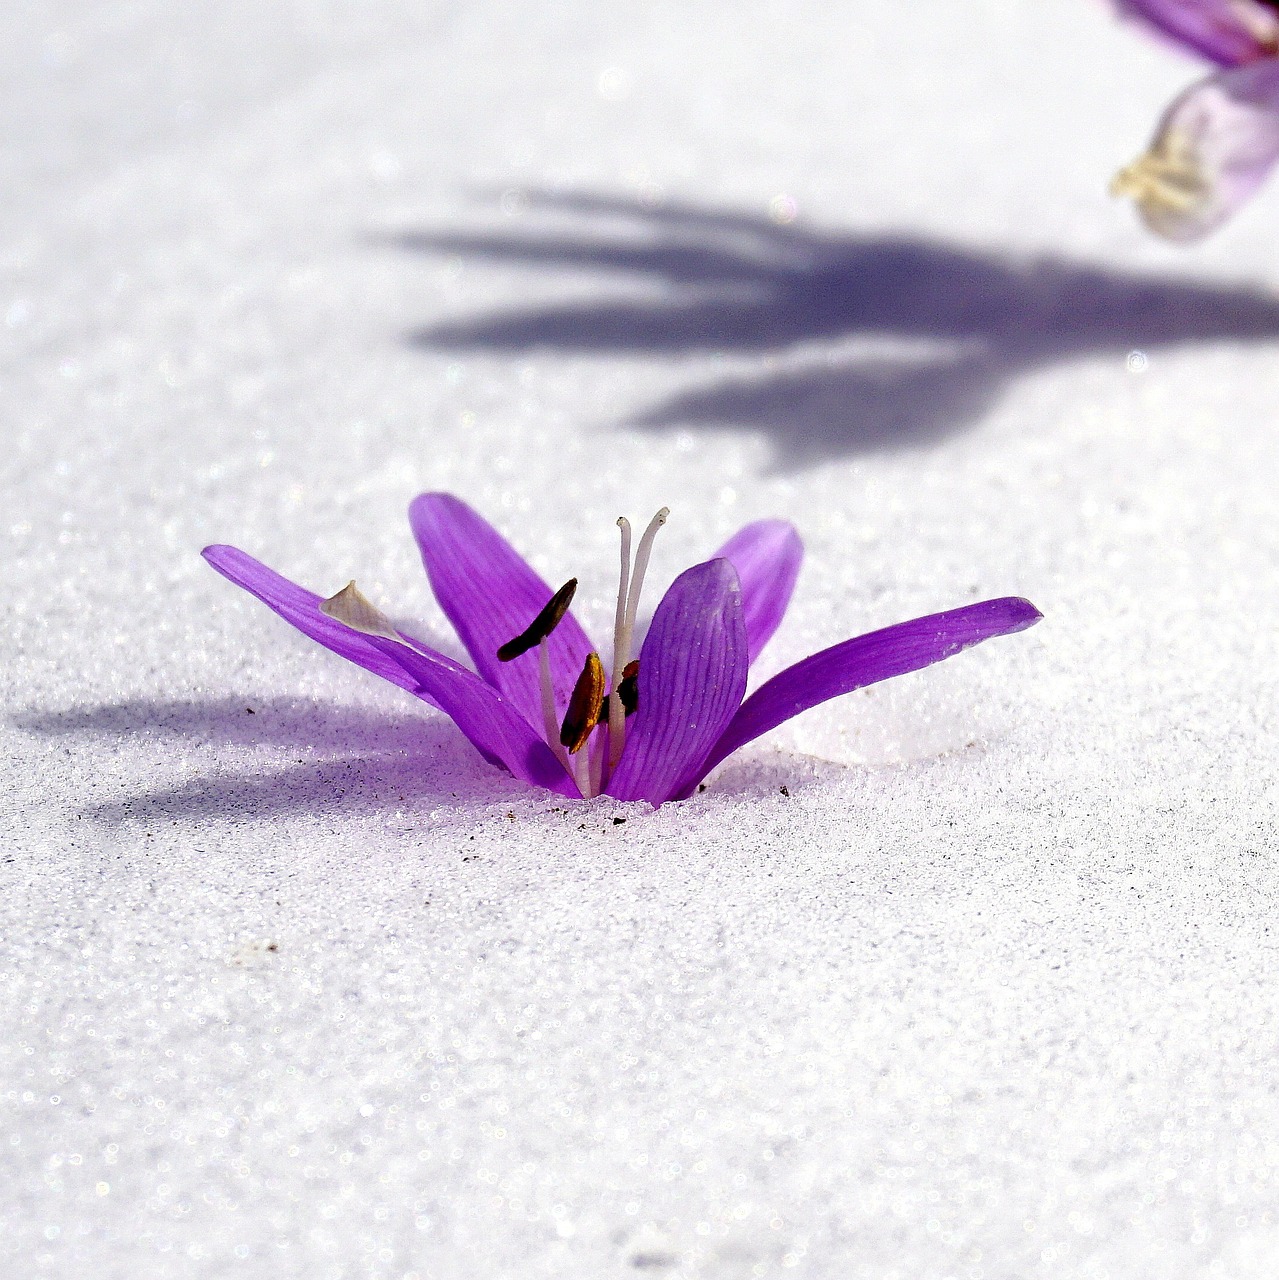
537 703
1220 138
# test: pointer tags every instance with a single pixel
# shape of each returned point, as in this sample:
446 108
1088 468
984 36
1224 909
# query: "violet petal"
893 651
490 595
767 555
1214 146
496 729
301 607
1228 32
692 675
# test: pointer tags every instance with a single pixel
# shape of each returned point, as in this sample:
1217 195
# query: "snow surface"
294 986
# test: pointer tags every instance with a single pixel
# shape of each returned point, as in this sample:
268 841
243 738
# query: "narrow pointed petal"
493 726
908 646
1213 148
1228 32
767 556
302 608
692 675
490 595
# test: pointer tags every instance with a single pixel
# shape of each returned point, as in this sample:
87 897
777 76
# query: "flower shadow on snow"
942 329
358 760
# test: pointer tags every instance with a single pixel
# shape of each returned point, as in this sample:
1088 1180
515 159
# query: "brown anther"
628 687
542 625
584 706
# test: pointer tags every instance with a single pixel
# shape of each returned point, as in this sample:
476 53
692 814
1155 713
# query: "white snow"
313 992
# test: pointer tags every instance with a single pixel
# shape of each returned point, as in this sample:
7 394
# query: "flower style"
1219 139
536 703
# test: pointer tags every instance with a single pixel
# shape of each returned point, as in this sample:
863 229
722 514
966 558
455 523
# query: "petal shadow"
332 788
247 721
679 280
828 411
358 760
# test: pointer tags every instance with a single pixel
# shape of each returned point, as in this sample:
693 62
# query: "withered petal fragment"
354 609
584 706
542 625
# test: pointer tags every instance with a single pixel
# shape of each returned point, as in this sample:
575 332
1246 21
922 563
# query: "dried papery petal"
353 609
1213 148
302 608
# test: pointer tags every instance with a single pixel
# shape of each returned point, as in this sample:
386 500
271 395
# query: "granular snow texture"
970 975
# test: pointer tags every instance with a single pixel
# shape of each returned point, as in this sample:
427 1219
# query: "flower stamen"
537 633
541 626
584 706
549 726
628 687
1168 181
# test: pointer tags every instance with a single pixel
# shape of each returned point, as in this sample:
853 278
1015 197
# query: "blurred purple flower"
1220 138
537 696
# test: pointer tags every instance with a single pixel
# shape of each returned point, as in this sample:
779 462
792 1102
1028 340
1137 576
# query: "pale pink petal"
1213 148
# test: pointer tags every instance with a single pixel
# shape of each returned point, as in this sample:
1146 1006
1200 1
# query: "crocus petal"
490 595
1213 148
1228 32
496 729
767 556
692 675
908 646
302 608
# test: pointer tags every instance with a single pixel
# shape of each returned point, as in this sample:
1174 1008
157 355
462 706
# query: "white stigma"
628 595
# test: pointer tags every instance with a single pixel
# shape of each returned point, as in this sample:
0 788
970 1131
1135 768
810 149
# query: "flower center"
590 762
1168 179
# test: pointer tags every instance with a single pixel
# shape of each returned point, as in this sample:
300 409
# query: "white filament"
549 722
581 766
595 771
